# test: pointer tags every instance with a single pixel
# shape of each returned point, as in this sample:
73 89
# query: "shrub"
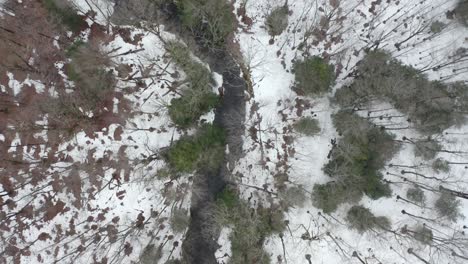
173 261
74 48
179 53
212 140
359 174
132 12
440 165
197 98
211 21
313 76
374 187
93 85
307 126
272 220
228 198
179 220
423 234
198 75
383 222
359 155
281 179
185 110
277 21
185 154
190 151
250 228
349 123
373 148
362 219
416 195
430 105
326 197
448 206
165 173
330 195
437 27
459 93
461 12
64 110
66 13
245 250
151 254
293 196
427 149
87 69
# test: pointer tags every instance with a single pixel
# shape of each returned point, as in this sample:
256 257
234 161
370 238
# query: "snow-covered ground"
351 27
111 219
104 200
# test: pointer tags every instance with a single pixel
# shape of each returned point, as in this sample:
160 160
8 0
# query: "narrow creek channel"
200 243
201 239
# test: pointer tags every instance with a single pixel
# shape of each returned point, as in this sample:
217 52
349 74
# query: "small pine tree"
423 234
448 206
362 219
314 76
416 195
307 126
440 165
277 20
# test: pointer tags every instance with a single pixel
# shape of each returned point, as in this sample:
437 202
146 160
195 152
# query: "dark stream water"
200 243
201 239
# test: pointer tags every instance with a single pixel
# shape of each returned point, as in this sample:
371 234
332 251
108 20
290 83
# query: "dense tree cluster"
355 162
431 106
